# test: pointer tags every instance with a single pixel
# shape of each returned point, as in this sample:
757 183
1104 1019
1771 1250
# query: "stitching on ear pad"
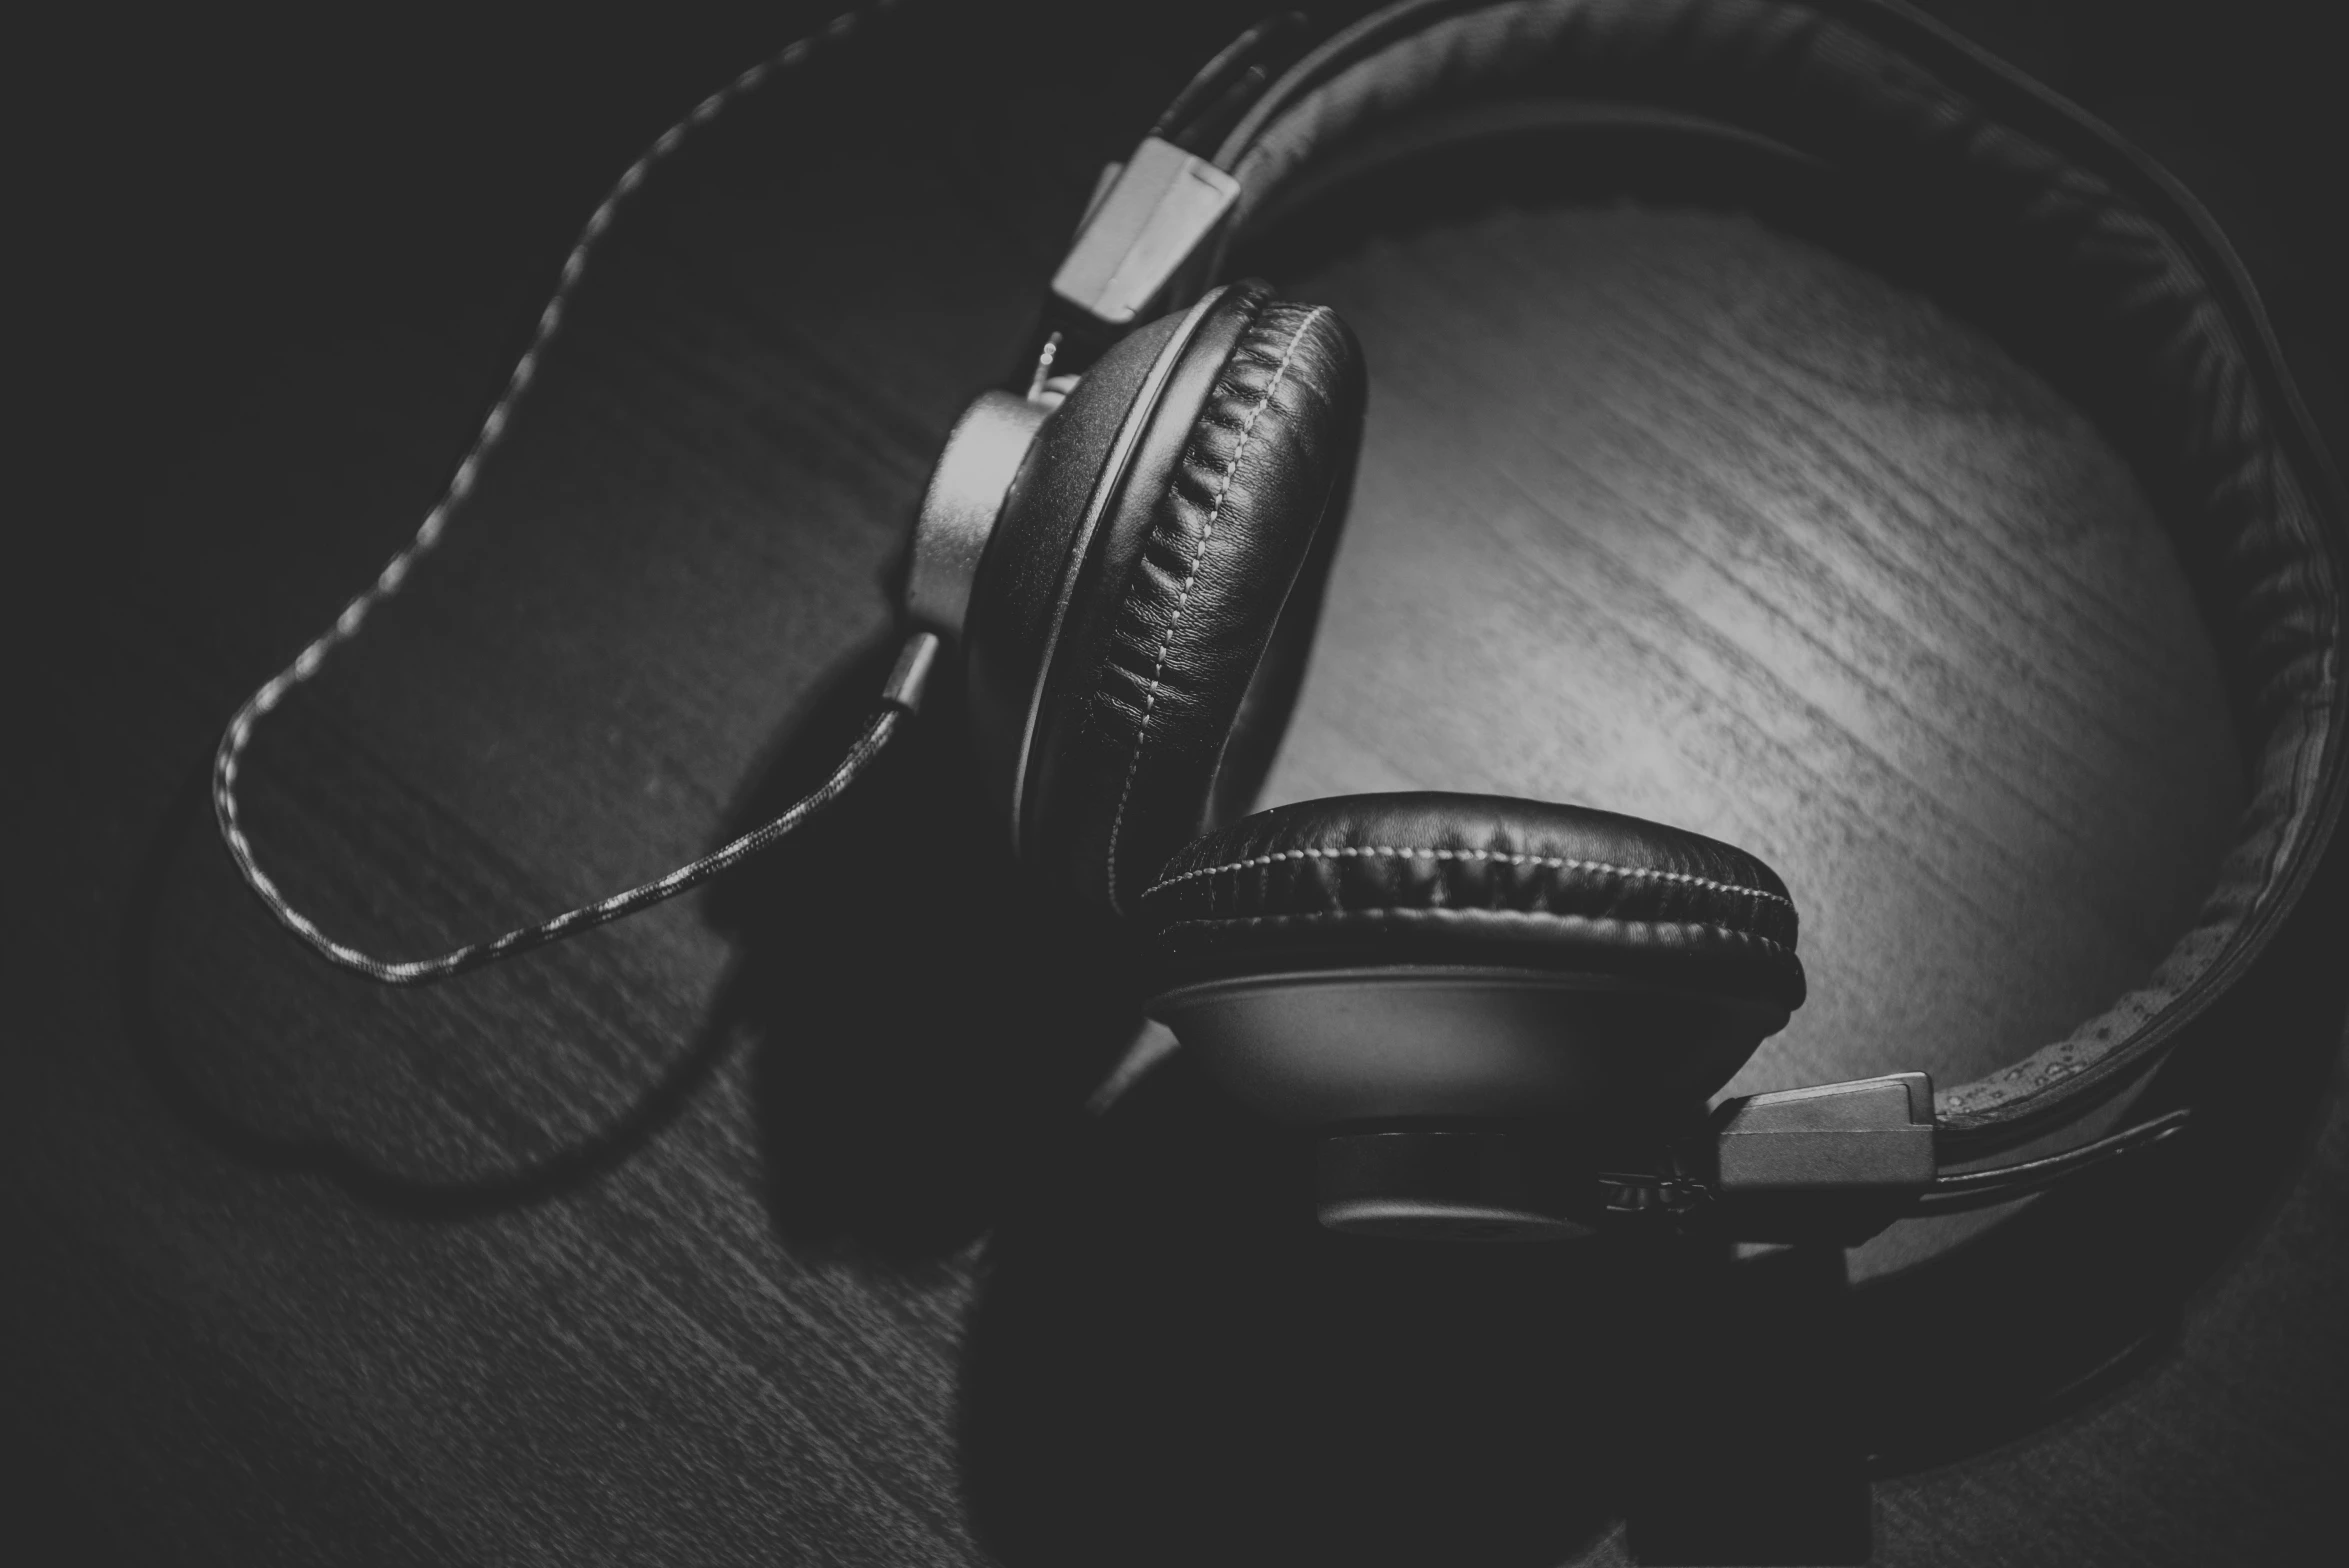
1478 881
1231 485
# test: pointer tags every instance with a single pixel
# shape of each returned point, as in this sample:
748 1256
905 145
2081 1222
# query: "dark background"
220 183
270 1299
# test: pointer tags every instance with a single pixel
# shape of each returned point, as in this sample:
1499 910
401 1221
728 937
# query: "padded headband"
2057 214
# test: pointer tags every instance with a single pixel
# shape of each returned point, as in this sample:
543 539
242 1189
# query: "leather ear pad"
1473 880
1026 574
1182 589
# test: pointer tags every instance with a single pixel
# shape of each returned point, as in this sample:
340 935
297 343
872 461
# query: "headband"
2058 223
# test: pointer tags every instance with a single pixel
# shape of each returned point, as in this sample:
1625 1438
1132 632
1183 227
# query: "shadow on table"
180 1060
921 1020
918 1021
1170 1363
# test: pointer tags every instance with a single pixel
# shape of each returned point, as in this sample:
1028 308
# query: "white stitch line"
239 732
1183 599
1388 851
1199 921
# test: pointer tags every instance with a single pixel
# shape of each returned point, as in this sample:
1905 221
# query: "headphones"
1504 1018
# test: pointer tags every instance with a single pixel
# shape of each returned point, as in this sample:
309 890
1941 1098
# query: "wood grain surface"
774 1226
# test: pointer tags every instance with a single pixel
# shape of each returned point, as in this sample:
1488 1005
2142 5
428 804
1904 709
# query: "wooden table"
787 1224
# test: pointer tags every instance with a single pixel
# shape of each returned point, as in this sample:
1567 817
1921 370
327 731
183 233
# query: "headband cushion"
1473 880
1161 662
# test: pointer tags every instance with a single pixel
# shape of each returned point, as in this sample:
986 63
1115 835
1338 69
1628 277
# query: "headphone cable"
901 695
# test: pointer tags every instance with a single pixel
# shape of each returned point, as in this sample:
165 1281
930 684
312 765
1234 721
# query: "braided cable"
900 698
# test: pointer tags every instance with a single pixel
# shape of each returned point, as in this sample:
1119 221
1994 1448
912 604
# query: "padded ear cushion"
1037 546
1255 434
1472 880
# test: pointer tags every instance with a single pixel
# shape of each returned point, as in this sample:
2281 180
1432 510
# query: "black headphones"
1505 1017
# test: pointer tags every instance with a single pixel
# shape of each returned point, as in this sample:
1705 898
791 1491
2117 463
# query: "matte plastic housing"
1472 1183
1410 1042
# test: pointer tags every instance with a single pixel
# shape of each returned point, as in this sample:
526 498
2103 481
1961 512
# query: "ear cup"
1202 515
1416 955
1159 679
1020 591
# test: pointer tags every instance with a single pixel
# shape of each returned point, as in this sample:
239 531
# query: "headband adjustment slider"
1154 213
1836 1162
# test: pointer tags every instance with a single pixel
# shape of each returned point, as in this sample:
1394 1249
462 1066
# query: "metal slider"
1873 1132
1155 213
1835 1163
